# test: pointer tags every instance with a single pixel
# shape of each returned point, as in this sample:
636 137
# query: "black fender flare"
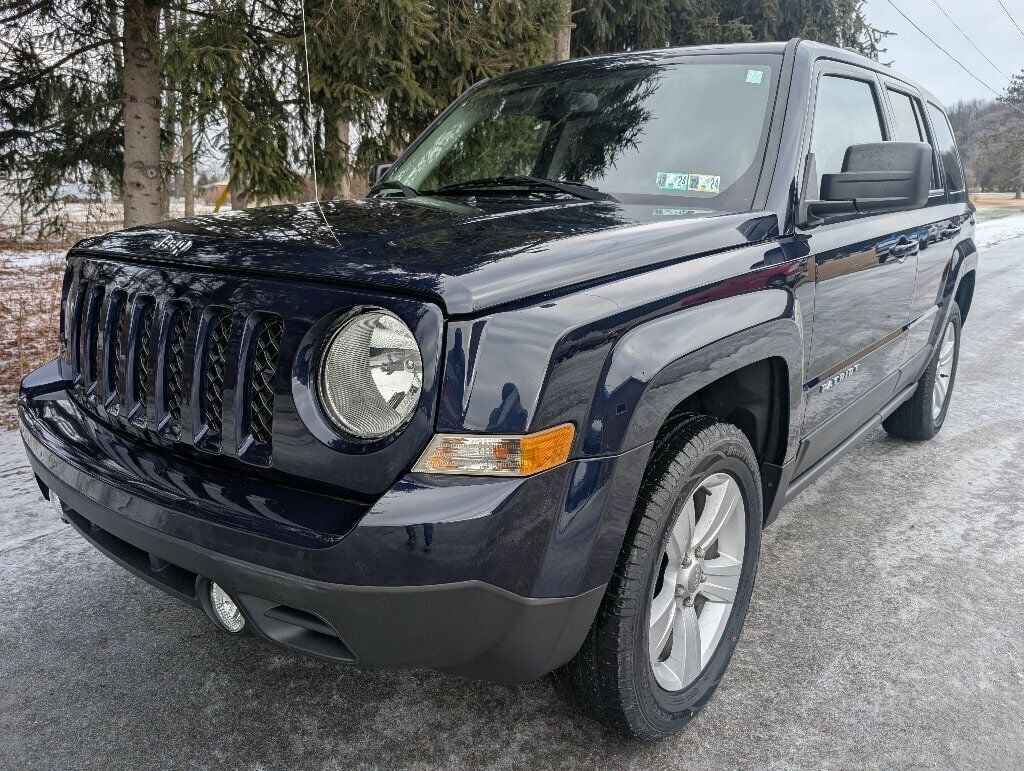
657 365
964 261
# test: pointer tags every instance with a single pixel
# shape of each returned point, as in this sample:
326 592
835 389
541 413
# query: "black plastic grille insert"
264 371
216 367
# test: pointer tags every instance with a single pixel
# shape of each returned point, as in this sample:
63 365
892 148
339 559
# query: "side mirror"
377 172
876 177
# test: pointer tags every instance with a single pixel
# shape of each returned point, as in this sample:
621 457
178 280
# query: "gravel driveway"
886 630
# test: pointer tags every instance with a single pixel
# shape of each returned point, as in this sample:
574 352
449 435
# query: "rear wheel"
922 415
676 603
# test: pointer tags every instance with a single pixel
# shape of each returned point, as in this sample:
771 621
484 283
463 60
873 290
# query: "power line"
968 39
952 58
1008 16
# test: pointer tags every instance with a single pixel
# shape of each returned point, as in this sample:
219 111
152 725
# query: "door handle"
904 249
951 230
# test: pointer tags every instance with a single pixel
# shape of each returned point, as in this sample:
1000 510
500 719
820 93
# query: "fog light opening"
225 611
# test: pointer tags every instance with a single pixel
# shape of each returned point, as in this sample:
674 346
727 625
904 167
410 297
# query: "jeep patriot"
526 408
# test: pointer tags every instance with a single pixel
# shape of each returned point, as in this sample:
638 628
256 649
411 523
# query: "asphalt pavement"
886 630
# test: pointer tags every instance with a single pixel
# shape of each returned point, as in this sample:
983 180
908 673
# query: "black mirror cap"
377 172
879 177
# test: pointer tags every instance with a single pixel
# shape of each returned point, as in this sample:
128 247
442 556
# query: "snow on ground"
29 258
26 515
992 232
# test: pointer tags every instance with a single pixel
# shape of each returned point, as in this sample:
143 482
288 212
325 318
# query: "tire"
615 677
921 416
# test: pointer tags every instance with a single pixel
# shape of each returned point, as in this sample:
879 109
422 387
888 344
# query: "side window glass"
907 128
936 178
910 126
845 113
945 146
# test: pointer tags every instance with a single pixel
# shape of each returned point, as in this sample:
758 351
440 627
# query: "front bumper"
508 592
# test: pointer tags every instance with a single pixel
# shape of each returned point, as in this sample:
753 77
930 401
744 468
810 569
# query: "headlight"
371 375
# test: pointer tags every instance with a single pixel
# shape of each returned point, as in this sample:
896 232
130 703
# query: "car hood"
467 256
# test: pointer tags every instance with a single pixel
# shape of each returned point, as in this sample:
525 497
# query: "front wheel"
676 603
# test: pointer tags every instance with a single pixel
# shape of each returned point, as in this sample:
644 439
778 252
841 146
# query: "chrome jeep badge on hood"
173 245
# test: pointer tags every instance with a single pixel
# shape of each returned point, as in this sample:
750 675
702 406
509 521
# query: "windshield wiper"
578 189
394 184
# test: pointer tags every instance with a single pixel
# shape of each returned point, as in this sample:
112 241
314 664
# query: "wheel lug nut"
688 602
687 562
698 552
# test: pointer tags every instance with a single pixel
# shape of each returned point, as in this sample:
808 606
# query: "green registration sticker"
672 180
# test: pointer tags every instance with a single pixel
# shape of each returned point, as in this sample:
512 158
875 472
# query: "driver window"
845 113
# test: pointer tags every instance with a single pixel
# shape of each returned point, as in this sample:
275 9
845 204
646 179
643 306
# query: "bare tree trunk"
344 129
170 179
188 168
142 183
337 146
236 181
1019 193
239 199
560 49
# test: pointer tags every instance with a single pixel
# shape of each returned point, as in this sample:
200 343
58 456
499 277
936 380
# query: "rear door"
939 224
865 268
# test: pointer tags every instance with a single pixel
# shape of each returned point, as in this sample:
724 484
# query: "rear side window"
845 113
945 146
910 126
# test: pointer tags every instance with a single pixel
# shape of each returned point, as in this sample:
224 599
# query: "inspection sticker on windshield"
754 76
704 183
670 180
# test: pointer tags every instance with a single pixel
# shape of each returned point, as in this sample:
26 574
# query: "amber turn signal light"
503 455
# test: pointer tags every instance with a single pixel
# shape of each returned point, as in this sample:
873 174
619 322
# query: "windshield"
687 133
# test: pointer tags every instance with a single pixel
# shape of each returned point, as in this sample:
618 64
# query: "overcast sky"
984 22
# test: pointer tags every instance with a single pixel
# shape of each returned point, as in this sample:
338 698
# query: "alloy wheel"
944 370
697 582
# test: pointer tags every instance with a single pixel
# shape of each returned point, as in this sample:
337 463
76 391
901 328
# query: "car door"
865 268
938 225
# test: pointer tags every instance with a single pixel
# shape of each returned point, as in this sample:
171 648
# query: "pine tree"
61 98
1013 129
604 26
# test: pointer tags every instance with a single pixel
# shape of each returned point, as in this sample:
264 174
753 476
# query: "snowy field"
74 219
995 231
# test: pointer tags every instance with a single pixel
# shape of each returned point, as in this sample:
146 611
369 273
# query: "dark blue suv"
526 408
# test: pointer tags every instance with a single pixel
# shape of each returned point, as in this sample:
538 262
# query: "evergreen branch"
73 115
26 11
37 74
220 18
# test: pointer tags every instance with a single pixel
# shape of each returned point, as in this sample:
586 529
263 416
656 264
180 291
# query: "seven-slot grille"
166 367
